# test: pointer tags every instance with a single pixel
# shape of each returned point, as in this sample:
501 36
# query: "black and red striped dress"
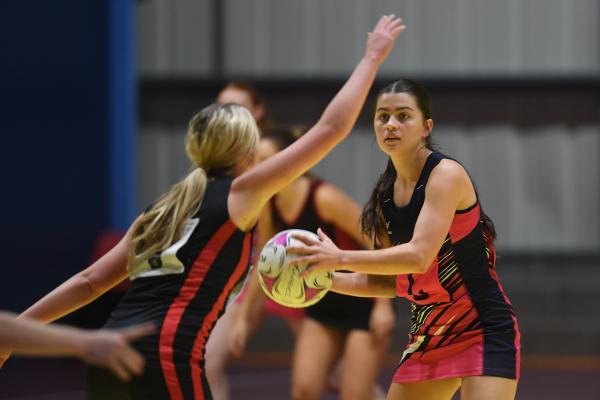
462 321
183 290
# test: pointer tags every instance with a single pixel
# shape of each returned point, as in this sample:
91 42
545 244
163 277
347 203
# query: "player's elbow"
419 259
89 284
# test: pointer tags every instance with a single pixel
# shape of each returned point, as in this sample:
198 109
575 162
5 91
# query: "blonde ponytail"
219 137
161 226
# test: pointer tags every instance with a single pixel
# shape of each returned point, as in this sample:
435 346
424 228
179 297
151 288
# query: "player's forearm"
24 336
343 110
66 298
396 260
363 285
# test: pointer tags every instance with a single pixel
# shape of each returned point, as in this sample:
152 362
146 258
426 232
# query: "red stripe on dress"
464 223
211 318
187 292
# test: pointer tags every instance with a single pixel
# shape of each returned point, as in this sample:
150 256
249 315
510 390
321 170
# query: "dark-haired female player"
434 246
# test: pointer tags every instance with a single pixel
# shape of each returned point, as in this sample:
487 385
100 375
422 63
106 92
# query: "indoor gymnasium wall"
515 91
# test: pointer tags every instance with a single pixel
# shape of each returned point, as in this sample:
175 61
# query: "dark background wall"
57 131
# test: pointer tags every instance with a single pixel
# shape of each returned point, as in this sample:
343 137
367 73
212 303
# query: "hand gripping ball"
278 274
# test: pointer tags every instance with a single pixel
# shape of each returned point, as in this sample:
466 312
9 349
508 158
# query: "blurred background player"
247 95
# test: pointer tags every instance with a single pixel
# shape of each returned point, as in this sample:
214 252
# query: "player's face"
399 124
237 96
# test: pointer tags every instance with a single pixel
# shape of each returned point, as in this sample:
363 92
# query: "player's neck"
409 166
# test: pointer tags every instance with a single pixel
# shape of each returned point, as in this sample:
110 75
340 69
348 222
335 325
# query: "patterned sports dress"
182 290
462 322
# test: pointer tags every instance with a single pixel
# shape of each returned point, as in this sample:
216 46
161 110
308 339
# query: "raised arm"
251 190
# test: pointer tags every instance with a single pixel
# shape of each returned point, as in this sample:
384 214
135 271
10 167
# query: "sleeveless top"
183 290
458 299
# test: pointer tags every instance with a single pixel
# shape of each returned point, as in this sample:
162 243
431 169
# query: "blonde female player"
188 250
338 327
436 249
218 353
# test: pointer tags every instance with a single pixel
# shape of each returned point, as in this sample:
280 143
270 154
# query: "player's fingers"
396 31
387 21
299 250
395 24
323 236
381 23
304 239
132 360
118 369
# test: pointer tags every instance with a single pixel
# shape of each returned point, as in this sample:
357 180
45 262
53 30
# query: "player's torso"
189 281
460 284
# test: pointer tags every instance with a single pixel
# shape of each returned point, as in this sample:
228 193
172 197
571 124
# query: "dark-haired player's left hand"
320 254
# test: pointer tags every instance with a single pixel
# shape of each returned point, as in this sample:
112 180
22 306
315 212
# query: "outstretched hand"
320 254
110 349
381 39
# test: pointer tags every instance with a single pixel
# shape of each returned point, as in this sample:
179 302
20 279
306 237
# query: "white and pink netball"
278 273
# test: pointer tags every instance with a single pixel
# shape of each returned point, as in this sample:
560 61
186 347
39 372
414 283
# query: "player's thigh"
362 356
438 389
317 348
488 388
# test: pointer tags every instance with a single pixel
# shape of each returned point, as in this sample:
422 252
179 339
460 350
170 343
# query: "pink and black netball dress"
462 322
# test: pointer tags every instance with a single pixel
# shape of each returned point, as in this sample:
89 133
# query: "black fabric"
148 299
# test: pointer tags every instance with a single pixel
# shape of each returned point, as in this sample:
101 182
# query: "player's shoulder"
448 175
449 169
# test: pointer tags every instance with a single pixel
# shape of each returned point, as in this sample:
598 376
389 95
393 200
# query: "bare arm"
363 285
449 189
83 287
251 190
108 348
